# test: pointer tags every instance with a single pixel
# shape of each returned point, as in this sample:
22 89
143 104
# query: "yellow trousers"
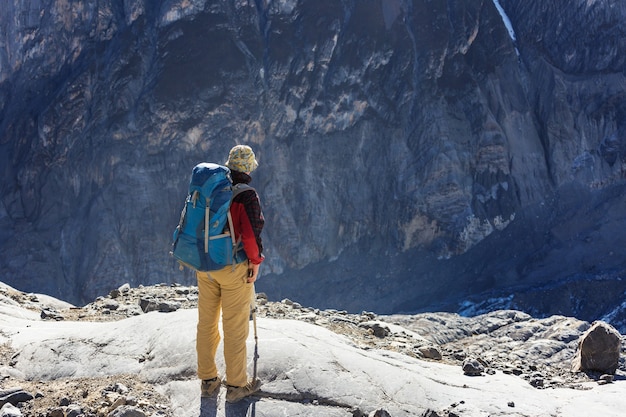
228 290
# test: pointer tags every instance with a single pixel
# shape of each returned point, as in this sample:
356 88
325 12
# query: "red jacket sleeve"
248 222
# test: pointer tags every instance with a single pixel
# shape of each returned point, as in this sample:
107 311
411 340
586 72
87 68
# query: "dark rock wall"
396 140
577 88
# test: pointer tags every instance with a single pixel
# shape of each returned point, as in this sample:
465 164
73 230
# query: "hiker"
231 289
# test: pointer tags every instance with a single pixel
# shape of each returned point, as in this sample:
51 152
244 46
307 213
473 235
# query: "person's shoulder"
244 193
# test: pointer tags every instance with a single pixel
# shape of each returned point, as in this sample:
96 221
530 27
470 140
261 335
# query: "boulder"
472 367
598 349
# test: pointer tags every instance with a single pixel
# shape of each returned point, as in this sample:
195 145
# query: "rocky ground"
537 350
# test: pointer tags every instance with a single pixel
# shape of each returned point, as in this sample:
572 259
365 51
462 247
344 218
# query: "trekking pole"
256 338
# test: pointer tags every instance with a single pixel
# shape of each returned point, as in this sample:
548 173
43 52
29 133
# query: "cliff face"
407 148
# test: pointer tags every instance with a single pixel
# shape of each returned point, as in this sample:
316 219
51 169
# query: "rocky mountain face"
415 155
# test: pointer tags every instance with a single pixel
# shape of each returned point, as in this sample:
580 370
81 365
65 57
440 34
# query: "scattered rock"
120 401
127 411
111 305
605 379
168 306
472 367
430 352
14 396
74 410
380 413
537 381
9 410
50 315
120 388
378 329
56 412
124 289
598 349
148 304
356 412
368 316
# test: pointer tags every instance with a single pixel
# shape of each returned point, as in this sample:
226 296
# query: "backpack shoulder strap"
240 188
237 189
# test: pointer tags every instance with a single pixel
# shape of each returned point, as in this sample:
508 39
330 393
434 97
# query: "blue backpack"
202 239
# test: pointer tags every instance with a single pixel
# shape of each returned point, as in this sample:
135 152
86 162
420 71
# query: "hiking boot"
209 386
234 394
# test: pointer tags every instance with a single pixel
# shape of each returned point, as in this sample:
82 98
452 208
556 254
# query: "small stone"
605 379
111 305
368 315
120 401
377 329
50 315
73 410
148 304
121 388
9 410
64 402
14 396
511 404
168 306
430 352
127 411
56 412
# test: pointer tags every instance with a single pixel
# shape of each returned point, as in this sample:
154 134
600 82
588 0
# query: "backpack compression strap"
207 213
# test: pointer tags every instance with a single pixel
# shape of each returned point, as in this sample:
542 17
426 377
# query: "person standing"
230 290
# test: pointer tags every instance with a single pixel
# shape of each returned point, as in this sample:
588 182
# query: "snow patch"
506 20
472 309
507 24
